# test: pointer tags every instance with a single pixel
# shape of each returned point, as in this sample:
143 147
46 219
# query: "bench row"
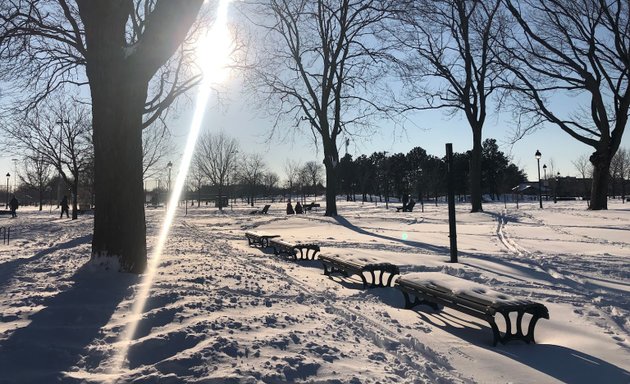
424 288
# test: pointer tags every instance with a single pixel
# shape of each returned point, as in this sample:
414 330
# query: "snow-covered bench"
283 247
434 288
259 239
359 265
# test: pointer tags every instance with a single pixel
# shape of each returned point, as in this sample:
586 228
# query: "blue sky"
431 131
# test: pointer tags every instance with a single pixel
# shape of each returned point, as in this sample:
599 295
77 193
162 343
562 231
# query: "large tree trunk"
601 174
475 172
119 74
331 161
119 227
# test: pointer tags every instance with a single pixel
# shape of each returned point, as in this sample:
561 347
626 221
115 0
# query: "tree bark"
475 172
331 161
601 173
119 74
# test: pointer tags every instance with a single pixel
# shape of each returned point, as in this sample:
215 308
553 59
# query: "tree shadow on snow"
55 339
343 221
7 269
564 364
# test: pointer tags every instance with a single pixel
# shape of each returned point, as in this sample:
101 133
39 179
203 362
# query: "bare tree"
619 169
324 69
452 64
251 171
156 145
576 49
585 169
291 170
216 156
197 176
117 48
37 175
313 174
270 180
59 136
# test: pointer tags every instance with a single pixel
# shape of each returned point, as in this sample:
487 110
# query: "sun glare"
214 48
214 51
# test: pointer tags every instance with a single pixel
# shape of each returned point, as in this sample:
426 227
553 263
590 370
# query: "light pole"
8 177
546 182
555 194
538 155
168 190
14 174
60 123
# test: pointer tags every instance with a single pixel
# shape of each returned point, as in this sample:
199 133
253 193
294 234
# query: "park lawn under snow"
219 311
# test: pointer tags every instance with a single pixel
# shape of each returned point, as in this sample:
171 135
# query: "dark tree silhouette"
323 68
451 64
116 47
577 49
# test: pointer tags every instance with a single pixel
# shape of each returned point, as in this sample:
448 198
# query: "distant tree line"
423 176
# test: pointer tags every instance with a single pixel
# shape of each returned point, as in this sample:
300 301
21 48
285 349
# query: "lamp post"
546 182
555 195
60 123
8 177
169 165
538 155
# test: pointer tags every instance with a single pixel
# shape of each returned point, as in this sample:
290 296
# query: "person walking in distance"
13 205
64 207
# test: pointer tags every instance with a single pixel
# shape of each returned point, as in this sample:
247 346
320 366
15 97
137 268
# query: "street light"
538 155
546 182
555 194
60 123
8 177
169 166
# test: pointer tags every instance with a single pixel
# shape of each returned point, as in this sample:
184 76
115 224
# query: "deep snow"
220 311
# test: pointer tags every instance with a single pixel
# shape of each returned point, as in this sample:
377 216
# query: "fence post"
6 235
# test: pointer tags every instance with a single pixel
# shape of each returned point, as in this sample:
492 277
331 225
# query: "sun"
215 47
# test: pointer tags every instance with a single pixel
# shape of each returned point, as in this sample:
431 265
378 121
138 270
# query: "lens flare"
213 52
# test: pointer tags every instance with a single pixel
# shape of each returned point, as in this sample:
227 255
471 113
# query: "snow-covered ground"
219 311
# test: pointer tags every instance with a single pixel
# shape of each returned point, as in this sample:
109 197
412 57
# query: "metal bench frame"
306 251
258 239
435 295
347 267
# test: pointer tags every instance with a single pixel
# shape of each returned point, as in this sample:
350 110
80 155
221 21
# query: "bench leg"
363 279
310 255
389 280
417 301
509 328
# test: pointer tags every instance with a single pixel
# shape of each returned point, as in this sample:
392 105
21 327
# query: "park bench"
262 211
305 251
434 288
406 208
349 265
310 206
259 239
